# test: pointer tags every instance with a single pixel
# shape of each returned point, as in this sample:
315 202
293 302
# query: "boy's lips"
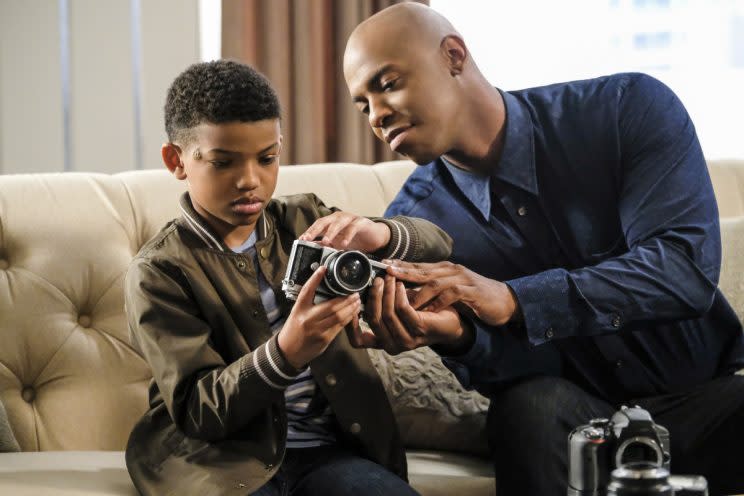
247 206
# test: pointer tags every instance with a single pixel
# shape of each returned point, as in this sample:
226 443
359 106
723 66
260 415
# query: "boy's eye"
389 85
220 164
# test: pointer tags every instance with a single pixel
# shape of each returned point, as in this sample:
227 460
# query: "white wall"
122 56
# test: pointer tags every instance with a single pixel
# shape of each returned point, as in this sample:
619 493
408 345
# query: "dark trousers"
529 423
332 471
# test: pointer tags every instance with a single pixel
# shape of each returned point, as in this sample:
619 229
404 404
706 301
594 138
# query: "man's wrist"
461 344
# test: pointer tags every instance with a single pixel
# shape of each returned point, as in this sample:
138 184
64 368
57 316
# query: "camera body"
597 448
628 454
347 271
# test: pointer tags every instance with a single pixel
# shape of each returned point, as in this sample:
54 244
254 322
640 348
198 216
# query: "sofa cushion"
433 410
731 281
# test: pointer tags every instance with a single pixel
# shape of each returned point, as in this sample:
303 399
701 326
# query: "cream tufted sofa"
73 387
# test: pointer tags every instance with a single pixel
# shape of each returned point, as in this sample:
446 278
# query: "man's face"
231 170
406 93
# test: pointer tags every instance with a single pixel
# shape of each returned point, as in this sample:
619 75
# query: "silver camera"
347 272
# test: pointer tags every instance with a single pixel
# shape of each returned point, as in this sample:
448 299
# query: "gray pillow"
433 410
7 439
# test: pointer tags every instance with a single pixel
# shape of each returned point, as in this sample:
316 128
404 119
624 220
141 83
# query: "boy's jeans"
332 471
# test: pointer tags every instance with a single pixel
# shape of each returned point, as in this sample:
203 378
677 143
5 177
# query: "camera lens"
640 479
348 272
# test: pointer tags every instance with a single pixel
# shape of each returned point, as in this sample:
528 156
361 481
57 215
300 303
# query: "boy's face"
231 170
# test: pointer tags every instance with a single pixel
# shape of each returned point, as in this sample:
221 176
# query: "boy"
249 392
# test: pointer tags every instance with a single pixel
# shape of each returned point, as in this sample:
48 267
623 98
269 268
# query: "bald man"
586 259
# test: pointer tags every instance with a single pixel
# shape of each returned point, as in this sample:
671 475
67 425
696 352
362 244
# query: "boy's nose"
248 179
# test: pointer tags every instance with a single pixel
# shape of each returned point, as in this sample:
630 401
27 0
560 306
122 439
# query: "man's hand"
345 231
444 284
310 328
397 326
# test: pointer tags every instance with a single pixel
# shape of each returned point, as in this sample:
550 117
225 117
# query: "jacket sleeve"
669 218
411 239
207 398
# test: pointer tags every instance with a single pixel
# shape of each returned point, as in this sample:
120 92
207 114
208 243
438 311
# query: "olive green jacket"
217 422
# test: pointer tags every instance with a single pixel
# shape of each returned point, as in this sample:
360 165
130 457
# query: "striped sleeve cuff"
269 364
402 238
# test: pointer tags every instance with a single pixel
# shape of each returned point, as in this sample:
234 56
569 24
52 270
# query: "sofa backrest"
68 376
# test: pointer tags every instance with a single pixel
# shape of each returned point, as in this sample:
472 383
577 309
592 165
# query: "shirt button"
522 211
616 320
549 333
241 264
264 252
269 466
255 313
355 428
619 364
330 380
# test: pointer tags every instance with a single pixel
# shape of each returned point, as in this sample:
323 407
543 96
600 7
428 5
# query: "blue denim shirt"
600 216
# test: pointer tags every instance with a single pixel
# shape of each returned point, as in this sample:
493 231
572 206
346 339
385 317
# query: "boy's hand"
345 231
310 328
397 326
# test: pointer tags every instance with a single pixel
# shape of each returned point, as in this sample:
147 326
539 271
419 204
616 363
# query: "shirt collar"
517 163
202 229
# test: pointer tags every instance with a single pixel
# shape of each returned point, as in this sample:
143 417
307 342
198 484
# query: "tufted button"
616 321
330 380
241 264
549 333
28 394
522 211
84 320
355 428
4 264
619 364
264 252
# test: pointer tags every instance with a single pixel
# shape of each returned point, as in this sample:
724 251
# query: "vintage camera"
347 272
629 453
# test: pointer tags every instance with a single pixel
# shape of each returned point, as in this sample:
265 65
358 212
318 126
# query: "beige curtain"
299 45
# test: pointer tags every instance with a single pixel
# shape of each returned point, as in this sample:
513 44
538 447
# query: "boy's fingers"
307 293
317 229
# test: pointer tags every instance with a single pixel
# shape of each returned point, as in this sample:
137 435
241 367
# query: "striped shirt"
309 416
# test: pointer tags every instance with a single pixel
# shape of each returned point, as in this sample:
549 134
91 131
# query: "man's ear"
171 154
454 52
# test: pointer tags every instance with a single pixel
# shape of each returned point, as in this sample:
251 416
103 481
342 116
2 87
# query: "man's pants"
332 471
529 424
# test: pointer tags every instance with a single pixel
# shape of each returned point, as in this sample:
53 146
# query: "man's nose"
378 113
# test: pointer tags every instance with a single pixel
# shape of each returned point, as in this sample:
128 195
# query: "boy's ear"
171 154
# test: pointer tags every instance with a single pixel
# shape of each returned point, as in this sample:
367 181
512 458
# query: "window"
696 47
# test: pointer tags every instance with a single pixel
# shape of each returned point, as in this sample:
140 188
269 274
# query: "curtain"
299 46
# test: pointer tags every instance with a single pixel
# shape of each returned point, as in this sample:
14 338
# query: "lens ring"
638 440
348 272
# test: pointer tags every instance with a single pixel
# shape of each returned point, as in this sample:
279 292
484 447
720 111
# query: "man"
586 258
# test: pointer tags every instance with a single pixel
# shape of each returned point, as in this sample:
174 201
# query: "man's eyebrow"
374 80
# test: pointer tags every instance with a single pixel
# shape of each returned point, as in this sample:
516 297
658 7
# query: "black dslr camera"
627 454
347 272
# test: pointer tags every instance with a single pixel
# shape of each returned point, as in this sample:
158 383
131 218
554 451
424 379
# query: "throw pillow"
7 439
433 410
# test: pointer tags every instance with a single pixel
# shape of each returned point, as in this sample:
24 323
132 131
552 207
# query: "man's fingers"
317 229
362 336
307 293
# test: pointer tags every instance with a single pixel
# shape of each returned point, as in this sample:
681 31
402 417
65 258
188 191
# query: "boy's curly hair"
216 92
